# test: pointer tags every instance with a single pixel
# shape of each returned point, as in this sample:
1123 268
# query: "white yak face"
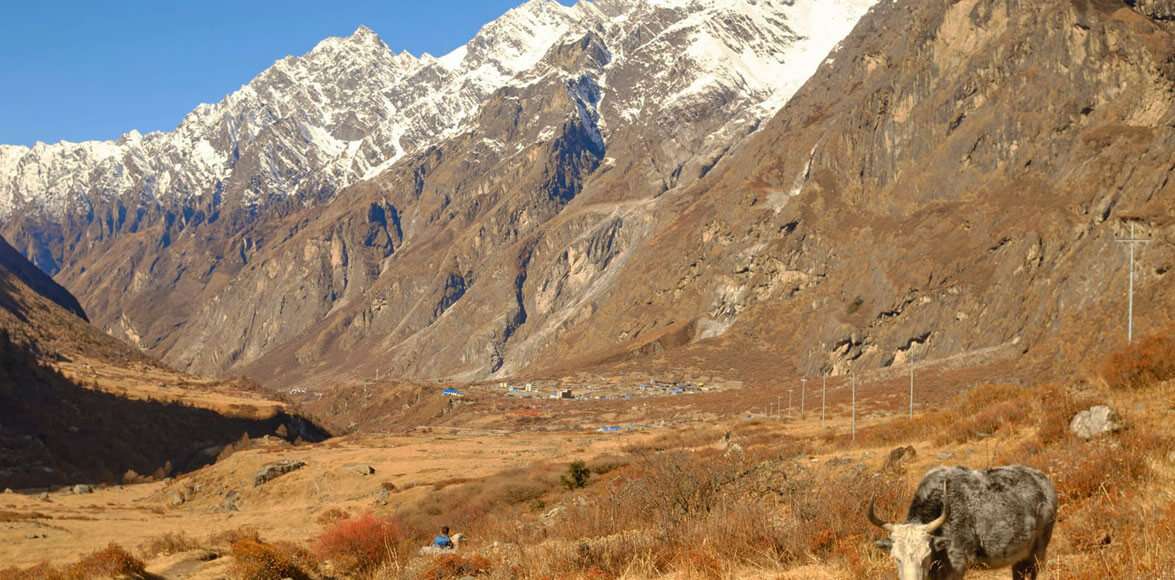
911 550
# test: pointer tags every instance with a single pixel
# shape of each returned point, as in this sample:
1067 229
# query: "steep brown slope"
76 405
16 265
951 181
457 262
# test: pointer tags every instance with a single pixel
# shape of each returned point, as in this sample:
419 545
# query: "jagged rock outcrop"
951 181
1157 9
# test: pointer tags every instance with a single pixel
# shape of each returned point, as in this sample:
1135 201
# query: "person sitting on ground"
443 541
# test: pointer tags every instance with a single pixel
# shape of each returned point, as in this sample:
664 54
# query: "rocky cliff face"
952 181
356 209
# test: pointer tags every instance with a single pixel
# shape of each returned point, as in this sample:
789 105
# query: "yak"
963 518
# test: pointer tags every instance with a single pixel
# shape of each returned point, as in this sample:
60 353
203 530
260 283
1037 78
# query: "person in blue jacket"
443 541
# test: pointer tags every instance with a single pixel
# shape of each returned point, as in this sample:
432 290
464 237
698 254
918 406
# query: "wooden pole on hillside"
789 413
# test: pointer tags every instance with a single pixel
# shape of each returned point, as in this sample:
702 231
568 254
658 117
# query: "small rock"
44 496
230 501
35 536
8 490
82 488
896 462
363 469
275 470
1095 421
381 497
176 499
945 455
552 515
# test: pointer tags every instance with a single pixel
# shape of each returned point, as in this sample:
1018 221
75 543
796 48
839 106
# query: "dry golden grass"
112 561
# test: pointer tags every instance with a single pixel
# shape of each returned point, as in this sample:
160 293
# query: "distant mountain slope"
361 206
77 406
16 265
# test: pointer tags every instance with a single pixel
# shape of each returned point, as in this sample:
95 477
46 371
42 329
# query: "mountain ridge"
642 98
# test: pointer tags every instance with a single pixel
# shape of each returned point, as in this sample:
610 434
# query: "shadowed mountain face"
58 429
54 431
16 265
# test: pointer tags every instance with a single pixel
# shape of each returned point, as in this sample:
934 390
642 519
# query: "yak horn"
942 518
876 520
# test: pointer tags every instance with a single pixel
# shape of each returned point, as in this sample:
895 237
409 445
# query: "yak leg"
1025 569
1030 567
946 572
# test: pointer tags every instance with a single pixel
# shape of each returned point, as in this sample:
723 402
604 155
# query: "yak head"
913 544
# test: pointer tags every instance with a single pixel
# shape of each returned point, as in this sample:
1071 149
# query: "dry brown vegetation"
1145 362
690 504
110 562
255 559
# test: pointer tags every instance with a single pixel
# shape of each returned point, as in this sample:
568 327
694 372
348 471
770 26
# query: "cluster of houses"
602 392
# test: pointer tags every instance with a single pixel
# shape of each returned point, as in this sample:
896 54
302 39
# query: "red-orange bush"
361 543
1141 364
457 566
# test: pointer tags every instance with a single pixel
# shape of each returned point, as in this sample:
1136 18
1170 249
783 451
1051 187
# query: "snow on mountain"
351 107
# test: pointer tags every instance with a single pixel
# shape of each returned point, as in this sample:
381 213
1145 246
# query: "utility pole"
789 413
803 394
853 420
779 407
911 388
1131 242
823 394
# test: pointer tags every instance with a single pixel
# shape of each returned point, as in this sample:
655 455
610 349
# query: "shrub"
362 543
457 566
577 475
112 561
230 537
257 560
167 544
1143 363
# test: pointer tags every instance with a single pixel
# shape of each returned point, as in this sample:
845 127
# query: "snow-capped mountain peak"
350 107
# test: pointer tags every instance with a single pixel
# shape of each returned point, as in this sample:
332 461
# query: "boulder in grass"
362 469
1094 421
82 488
272 471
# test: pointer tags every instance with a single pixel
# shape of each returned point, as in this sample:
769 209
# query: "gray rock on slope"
272 471
1094 421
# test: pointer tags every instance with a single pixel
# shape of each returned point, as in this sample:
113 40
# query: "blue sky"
94 69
